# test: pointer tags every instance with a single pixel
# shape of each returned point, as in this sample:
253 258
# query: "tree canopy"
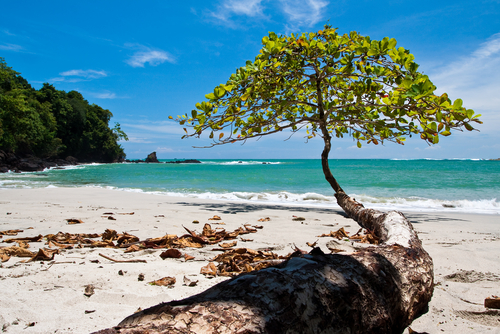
50 122
330 85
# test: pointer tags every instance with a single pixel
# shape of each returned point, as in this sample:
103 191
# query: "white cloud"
145 55
297 12
164 149
79 75
475 79
304 12
7 32
11 47
138 140
245 7
105 95
163 127
86 74
228 8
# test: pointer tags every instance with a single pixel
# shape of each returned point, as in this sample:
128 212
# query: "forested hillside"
51 123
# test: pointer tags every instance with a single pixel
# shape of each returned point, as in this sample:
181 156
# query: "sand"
48 297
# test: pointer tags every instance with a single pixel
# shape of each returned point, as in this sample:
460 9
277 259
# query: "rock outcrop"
30 163
152 158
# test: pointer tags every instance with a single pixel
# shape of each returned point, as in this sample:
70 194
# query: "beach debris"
72 221
108 213
249 228
295 218
339 234
196 222
120 272
10 232
210 269
30 324
138 310
171 253
89 290
111 218
471 276
44 254
131 243
312 244
215 217
492 302
126 213
140 277
89 311
109 235
189 282
246 240
228 244
264 219
27 239
188 257
122 261
368 237
334 250
165 281
7 252
241 260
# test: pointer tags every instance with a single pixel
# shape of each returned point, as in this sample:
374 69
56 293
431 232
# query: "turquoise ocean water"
409 185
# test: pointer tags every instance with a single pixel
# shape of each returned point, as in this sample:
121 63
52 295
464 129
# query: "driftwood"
380 289
121 261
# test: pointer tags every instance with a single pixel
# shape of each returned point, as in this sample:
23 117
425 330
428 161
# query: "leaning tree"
329 85
325 85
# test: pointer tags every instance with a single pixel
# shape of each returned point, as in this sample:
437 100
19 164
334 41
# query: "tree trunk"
379 289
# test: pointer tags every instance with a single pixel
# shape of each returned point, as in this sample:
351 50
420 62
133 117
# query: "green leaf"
359 144
210 96
457 104
468 126
439 116
392 43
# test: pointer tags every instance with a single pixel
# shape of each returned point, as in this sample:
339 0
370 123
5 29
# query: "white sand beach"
48 296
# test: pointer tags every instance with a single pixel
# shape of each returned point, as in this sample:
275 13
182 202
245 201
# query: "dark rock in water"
187 161
449 206
152 157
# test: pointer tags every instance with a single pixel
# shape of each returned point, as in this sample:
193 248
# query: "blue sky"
147 60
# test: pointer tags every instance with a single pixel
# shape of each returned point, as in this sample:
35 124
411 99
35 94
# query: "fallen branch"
377 289
121 261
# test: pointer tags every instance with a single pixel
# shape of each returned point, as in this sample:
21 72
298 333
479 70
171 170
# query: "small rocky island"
153 159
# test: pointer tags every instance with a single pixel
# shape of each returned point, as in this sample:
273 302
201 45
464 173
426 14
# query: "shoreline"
463 247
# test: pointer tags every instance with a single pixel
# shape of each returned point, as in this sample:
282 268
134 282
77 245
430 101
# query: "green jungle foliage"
52 123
